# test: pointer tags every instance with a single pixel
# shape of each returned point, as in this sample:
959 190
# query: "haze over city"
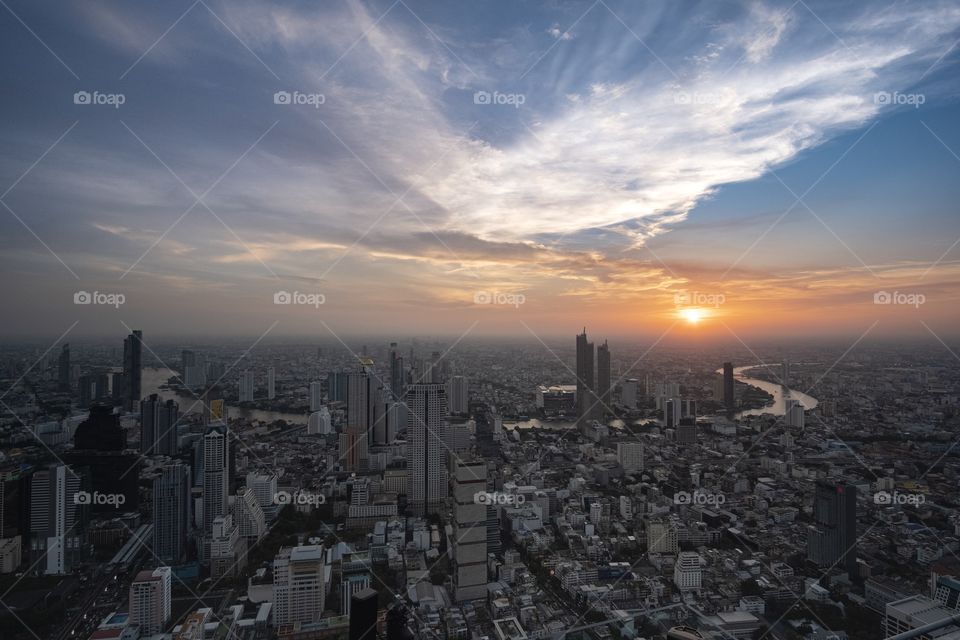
479 320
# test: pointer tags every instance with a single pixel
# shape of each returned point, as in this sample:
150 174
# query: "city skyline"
761 168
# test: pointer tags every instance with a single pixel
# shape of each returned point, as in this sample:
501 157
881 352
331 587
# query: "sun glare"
692 315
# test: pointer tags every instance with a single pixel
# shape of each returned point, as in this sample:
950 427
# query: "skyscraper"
150 600
457 395
728 399
246 386
158 426
171 513
470 535
271 383
363 615
832 538
603 379
426 429
63 369
396 371
132 369
298 584
216 480
57 515
584 377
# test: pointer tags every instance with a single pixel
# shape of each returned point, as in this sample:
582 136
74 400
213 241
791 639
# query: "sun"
692 315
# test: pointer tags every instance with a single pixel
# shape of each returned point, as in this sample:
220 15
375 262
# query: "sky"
703 169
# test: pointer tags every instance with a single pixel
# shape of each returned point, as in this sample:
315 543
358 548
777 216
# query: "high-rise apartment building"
299 588
832 538
132 370
171 513
457 395
426 430
470 533
150 600
158 426
216 475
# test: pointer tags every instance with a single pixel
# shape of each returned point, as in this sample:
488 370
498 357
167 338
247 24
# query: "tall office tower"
363 615
57 517
793 415
354 449
785 372
470 535
216 475
396 371
436 373
299 587
246 386
85 391
832 538
158 426
264 485
248 515
271 383
336 386
320 423
585 399
729 401
171 513
150 600
316 395
378 417
101 387
132 369
457 395
630 456
396 419
118 388
99 445
426 430
63 369
687 574
628 393
603 378
671 413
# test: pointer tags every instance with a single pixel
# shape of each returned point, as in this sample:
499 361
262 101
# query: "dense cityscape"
479 320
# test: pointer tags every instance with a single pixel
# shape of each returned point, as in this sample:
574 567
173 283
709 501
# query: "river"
153 378
778 408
